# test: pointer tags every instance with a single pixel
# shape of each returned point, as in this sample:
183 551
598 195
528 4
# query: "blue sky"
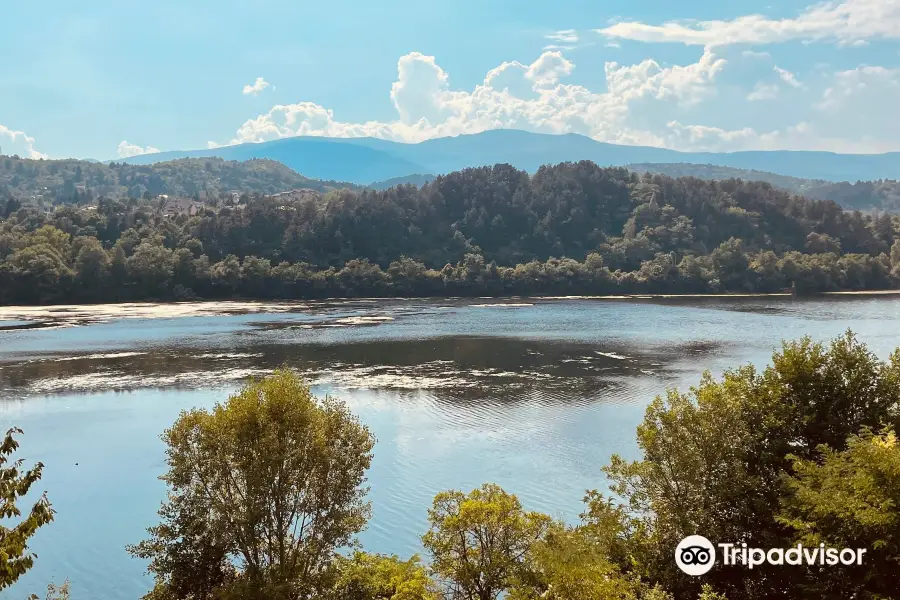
101 79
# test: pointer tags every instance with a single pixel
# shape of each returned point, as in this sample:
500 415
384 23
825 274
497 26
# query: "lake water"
533 394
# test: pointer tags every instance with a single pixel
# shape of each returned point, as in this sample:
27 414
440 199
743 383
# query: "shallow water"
532 394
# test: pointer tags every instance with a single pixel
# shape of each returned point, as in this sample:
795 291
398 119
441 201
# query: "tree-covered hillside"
882 195
570 228
47 182
416 179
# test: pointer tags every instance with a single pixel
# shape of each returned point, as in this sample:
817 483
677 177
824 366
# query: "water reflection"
455 368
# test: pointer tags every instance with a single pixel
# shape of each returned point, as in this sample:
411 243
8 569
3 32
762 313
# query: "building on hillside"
172 207
300 194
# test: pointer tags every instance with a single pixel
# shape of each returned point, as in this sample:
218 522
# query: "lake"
533 394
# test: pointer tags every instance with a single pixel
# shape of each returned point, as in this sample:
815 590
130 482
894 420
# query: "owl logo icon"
695 555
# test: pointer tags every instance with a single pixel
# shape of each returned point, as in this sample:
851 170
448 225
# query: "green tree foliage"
48 182
882 195
480 542
715 460
573 228
569 563
262 492
15 559
851 499
365 576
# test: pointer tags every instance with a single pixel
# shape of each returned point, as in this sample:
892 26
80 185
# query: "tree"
895 258
12 205
15 559
480 541
851 499
715 460
568 564
366 576
151 266
91 263
263 490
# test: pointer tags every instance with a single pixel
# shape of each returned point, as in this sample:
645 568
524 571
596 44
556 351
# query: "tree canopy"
16 530
70 181
263 490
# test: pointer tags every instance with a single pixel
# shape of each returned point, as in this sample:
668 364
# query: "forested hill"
416 179
569 228
47 182
883 194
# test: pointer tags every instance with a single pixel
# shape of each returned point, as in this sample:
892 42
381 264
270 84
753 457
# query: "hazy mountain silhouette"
366 160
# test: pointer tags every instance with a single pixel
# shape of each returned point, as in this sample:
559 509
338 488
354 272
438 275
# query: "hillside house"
172 207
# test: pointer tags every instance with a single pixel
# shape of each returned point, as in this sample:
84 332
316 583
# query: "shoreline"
27 317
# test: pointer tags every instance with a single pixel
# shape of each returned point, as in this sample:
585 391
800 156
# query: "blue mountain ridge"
366 160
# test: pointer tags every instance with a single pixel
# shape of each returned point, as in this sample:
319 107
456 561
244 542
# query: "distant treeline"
879 195
570 228
51 182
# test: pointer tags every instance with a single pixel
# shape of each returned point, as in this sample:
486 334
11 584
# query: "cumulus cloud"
861 104
18 142
259 85
866 84
847 22
644 103
513 95
126 150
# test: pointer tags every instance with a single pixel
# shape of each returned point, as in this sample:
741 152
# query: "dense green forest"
267 494
416 179
573 228
881 195
50 182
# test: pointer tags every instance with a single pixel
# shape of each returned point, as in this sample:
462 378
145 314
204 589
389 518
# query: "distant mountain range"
366 160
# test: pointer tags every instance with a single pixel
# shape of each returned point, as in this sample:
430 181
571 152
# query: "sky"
107 79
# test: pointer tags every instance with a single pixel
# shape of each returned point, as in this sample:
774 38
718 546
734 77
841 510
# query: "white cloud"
847 22
755 54
863 85
126 150
688 84
259 85
19 143
643 103
802 136
763 91
564 36
512 95
861 104
787 77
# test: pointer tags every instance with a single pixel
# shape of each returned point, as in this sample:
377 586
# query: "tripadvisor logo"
696 555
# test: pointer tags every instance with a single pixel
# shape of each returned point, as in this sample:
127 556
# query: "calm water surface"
532 394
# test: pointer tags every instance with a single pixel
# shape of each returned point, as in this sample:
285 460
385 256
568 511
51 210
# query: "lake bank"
57 315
